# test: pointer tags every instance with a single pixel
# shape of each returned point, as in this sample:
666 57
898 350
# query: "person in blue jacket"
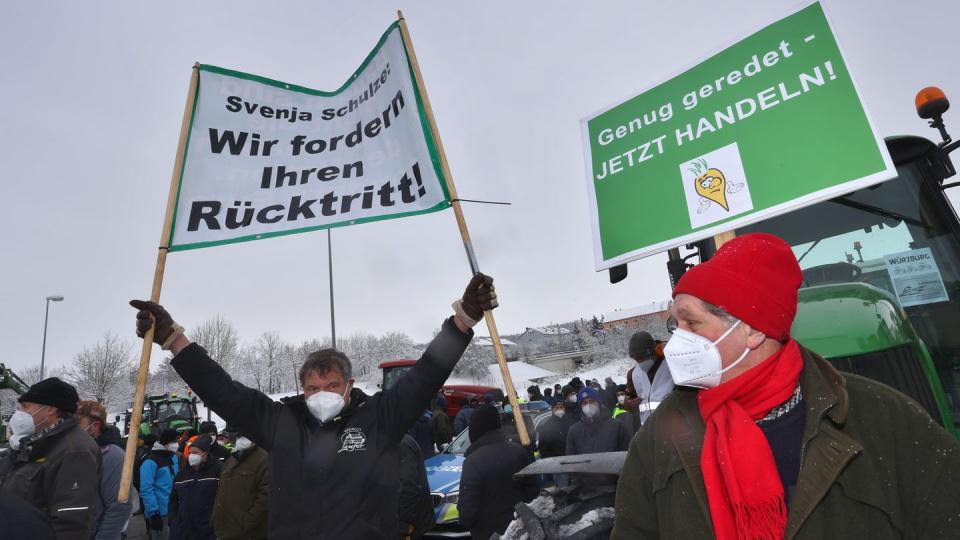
157 472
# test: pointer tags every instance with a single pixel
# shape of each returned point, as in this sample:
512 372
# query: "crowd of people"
732 430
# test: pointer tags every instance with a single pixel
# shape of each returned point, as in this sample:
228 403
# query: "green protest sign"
769 124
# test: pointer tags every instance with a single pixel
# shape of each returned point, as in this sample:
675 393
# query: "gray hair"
718 311
324 361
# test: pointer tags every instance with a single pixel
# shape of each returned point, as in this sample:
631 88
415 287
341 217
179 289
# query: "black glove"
155 523
164 322
480 296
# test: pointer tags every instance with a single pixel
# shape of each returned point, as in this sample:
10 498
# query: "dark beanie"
753 277
208 427
642 346
203 442
53 392
485 419
167 436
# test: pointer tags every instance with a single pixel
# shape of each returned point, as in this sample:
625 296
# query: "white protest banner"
266 158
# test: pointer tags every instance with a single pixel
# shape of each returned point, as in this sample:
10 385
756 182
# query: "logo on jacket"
353 440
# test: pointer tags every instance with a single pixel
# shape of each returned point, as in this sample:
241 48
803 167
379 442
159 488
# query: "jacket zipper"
803 447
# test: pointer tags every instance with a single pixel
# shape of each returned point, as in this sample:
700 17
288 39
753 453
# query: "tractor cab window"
895 237
392 375
173 409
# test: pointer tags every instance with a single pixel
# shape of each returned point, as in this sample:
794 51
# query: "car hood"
443 472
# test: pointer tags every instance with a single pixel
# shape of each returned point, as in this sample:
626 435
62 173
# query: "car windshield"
891 236
459 444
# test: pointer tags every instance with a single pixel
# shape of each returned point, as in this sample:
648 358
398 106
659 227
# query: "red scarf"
743 486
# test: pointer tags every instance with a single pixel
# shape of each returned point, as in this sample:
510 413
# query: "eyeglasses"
671 324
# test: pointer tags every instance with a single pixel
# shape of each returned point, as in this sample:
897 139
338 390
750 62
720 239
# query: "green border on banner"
428 135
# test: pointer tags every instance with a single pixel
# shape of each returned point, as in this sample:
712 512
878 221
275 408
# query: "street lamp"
46 316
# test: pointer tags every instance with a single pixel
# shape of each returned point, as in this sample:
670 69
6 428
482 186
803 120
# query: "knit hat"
642 345
52 392
586 393
485 419
203 442
167 436
753 277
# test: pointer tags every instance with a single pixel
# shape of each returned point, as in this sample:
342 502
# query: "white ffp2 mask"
21 425
242 444
325 405
695 360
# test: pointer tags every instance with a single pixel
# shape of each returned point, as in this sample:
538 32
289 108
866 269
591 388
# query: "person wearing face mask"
157 471
194 492
333 451
649 382
621 414
54 464
240 508
552 432
112 515
768 440
596 431
220 452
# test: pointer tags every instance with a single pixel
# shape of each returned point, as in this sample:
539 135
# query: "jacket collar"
41 442
825 397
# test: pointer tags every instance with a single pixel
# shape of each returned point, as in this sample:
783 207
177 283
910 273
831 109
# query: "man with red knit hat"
763 439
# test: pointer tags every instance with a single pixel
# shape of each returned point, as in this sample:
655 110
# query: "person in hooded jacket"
333 451
442 426
422 432
596 431
157 471
112 515
488 491
462 420
54 464
240 508
194 494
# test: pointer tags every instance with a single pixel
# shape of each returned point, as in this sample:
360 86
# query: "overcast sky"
92 96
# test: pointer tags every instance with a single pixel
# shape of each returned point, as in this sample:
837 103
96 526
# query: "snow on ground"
542 506
588 519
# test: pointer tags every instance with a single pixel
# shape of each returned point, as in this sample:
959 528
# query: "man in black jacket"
488 491
597 431
333 451
194 493
54 464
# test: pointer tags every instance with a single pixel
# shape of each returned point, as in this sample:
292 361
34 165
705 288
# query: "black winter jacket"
416 505
552 436
488 491
191 503
57 471
337 480
602 434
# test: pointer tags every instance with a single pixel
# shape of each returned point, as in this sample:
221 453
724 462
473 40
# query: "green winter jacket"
240 510
874 466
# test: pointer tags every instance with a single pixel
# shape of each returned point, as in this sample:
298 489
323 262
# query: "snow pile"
543 506
590 518
515 531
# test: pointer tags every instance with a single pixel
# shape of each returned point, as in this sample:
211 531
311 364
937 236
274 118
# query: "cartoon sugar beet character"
712 186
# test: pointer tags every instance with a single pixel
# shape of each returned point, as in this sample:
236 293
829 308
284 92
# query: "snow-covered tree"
99 372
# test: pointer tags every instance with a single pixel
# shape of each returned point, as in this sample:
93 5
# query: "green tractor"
11 388
167 411
881 273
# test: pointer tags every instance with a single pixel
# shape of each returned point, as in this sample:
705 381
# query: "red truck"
457 394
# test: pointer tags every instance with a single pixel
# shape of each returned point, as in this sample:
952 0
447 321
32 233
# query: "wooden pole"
134 434
464 232
724 237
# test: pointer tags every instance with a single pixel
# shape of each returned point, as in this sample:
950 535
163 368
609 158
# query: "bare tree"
220 339
31 375
100 371
266 362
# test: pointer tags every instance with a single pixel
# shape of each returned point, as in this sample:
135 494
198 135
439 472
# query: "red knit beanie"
753 277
